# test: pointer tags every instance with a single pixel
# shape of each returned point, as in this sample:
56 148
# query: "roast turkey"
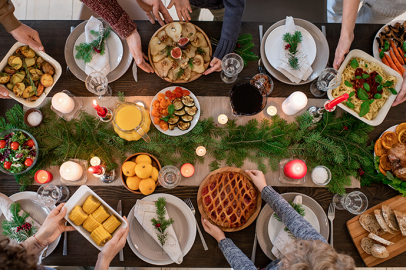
397 157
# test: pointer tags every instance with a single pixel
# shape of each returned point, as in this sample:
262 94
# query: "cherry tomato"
30 143
185 92
168 93
7 165
28 162
15 145
179 94
2 144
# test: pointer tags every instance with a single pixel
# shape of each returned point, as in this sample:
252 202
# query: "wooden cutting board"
357 233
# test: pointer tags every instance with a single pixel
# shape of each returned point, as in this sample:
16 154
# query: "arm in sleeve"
234 256
293 221
7 18
113 13
231 27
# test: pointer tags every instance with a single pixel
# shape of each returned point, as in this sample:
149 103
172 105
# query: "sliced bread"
381 221
401 219
366 244
380 239
369 223
389 217
379 251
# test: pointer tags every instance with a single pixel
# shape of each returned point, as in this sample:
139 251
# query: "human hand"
134 42
215 66
4 92
342 49
183 9
213 230
53 226
401 97
115 244
28 36
157 8
258 178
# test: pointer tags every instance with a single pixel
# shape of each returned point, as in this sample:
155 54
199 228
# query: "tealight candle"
43 177
295 169
71 171
223 119
201 151
100 110
187 170
96 169
294 103
94 161
63 103
271 110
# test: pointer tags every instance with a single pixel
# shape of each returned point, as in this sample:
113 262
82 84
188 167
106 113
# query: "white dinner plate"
115 50
176 131
145 247
274 226
375 45
274 44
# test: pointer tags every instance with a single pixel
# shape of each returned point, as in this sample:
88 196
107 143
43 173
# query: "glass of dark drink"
247 99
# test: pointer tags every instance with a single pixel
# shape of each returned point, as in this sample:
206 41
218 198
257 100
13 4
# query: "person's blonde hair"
315 255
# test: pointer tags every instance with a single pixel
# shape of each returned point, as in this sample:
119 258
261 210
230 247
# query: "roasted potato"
10 59
39 61
18 89
47 68
16 79
29 62
15 62
40 89
4 78
10 86
28 92
9 70
27 52
47 80
36 74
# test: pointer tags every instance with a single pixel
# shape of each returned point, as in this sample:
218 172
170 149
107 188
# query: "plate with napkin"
143 239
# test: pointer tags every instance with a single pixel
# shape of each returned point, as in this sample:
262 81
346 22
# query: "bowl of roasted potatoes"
29 75
93 217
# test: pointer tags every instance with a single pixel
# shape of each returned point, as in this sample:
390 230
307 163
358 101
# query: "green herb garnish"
365 76
350 104
347 83
364 108
378 96
366 87
362 94
171 110
354 63
393 91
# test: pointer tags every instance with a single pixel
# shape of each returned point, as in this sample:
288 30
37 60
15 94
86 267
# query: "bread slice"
366 244
389 217
379 251
369 223
401 219
381 221
380 239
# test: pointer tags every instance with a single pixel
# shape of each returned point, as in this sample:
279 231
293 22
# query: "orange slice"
400 127
382 170
379 149
384 162
389 138
402 136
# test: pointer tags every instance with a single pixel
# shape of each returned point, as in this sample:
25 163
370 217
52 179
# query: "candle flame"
61 100
94 102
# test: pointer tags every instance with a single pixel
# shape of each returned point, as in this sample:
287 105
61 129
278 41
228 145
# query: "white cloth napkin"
144 212
99 62
305 68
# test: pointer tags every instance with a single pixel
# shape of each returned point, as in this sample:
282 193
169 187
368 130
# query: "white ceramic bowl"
46 57
386 107
79 198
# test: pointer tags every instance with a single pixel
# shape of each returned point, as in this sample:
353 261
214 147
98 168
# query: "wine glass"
355 202
97 83
232 65
169 177
49 194
328 79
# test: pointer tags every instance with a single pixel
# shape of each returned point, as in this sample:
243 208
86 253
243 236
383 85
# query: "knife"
65 241
120 212
254 248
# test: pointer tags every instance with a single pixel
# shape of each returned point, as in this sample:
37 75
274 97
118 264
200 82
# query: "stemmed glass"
232 65
97 83
328 79
355 202
49 194
169 177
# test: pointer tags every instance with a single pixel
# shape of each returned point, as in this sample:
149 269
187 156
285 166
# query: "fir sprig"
85 51
292 43
161 224
10 227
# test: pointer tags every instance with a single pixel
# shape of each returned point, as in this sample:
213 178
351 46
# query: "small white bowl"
328 175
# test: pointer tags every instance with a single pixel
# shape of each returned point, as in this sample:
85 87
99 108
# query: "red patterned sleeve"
113 13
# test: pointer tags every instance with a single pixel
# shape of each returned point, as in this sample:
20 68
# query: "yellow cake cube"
90 224
78 216
101 214
91 204
100 236
111 224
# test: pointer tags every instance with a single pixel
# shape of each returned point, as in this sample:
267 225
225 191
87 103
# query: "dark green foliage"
9 227
161 224
85 51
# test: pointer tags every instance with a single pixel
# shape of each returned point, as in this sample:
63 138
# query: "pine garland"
161 224
18 229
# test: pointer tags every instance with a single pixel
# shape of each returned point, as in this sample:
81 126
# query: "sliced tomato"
178 89
185 92
178 94
168 93
172 97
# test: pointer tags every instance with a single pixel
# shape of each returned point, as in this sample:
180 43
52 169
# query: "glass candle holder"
169 177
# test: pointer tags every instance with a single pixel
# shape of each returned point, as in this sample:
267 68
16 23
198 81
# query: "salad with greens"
17 152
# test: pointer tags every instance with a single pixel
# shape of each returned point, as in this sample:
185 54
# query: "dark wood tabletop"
80 252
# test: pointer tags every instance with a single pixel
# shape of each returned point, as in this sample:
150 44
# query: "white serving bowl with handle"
46 57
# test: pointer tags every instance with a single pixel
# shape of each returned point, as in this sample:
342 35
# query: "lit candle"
187 170
201 151
101 111
271 110
294 103
295 169
94 161
96 169
43 177
223 119
71 171
63 103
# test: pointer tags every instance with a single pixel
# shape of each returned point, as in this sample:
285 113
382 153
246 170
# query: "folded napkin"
99 62
144 212
305 69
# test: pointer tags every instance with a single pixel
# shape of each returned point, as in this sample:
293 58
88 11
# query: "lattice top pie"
229 199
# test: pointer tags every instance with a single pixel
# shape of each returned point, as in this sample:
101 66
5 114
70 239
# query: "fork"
67 68
331 216
192 208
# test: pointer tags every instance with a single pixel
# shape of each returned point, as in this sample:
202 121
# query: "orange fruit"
400 127
379 149
154 174
143 158
133 182
147 186
402 136
384 162
389 138
143 170
382 170
128 168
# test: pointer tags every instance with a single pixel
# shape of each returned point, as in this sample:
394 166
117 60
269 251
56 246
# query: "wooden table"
54 34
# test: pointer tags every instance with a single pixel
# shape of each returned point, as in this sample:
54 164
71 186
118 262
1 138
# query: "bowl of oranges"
139 173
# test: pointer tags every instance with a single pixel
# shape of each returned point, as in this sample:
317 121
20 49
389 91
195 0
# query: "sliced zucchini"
183 125
173 120
188 101
177 102
191 110
186 118
172 127
180 112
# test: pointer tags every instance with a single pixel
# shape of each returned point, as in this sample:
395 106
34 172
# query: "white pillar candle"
294 103
271 110
223 119
71 171
201 151
63 103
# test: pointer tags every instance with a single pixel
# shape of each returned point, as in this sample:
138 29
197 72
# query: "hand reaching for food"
401 97
28 36
154 8
215 65
183 9
134 42
342 49
213 230
116 244
258 178
3 92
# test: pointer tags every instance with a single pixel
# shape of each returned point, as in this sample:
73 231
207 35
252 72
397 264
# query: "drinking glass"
355 202
328 79
169 177
49 194
97 83
232 65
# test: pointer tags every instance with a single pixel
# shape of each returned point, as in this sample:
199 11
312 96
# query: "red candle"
187 170
101 111
43 177
295 169
330 106
96 169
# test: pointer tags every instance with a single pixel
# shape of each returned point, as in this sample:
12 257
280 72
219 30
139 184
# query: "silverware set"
120 212
67 68
192 208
